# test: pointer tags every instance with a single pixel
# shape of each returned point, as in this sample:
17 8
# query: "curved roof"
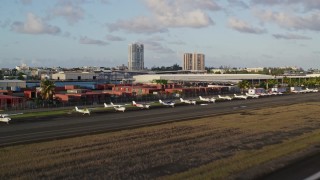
203 77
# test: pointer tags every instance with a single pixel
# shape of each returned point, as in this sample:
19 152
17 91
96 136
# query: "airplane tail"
181 100
77 108
160 101
112 103
200 97
134 103
219 96
105 105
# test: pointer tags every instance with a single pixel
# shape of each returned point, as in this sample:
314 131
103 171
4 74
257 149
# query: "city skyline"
248 33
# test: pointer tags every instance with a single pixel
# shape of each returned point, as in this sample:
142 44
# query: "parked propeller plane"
240 96
225 97
188 101
142 106
112 105
252 95
5 117
167 103
207 99
84 111
117 107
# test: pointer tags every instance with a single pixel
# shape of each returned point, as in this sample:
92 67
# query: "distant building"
136 57
75 76
193 61
13 85
255 70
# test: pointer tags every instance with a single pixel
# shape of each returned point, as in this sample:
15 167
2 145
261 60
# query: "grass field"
208 148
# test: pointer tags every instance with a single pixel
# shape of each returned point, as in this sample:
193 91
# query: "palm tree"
243 85
47 89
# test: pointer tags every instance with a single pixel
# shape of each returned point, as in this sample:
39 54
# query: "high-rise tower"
136 57
193 61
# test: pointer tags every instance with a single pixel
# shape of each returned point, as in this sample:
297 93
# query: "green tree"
20 76
160 81
243 85
272 82
47 90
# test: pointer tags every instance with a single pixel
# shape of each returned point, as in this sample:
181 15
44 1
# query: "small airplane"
297 91
119 108
188 101
84 111
225 97
252 95
240 96
312 90
116 107
142 106
5 117
112 105
207 99
167 103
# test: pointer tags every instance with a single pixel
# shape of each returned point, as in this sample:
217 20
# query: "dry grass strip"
214 147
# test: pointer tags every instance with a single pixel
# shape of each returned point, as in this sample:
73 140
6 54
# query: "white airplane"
167 103
188 101
142 106
207 99
5 117
240 96
112 105
225 97
252 95
296 91
84 111
119 108
312 90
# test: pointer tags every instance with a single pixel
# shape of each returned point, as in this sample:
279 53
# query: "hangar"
208 78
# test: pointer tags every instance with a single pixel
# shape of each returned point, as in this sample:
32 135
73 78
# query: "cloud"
177 42
291 37
237 3
244 27
182 13
289 21
34 25
138 25
68 10
157 47
167 14
114 38
307 4
86 40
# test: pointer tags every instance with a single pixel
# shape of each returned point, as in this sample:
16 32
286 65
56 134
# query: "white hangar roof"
202 77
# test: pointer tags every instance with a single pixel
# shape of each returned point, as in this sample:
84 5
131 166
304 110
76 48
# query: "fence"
39 104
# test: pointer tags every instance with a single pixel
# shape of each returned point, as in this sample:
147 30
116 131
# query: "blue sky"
235 33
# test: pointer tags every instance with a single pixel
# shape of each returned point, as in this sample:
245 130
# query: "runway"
76 124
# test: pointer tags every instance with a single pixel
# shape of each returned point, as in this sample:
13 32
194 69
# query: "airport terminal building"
208 78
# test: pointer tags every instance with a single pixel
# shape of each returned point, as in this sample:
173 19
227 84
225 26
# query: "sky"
231 33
